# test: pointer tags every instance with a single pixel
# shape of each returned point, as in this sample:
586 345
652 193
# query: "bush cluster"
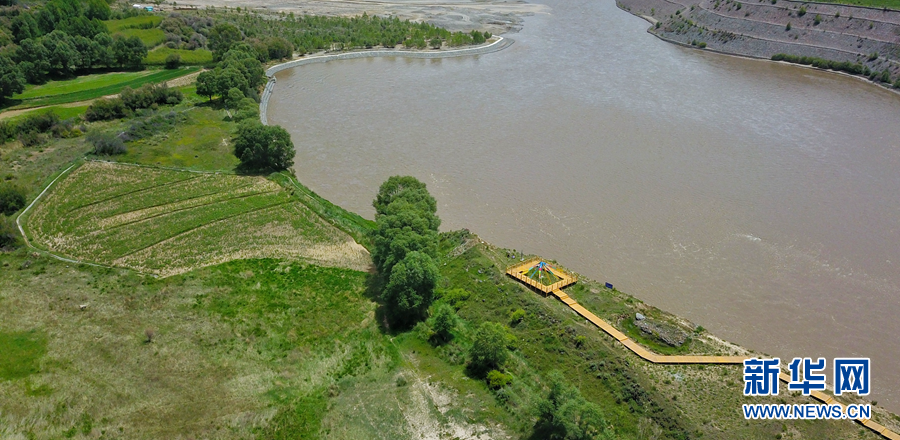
106 144
129 100
9 234
145 127
12 198
821 63
37 129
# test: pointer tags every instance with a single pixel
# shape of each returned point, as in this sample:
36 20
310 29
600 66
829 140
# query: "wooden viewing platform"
519 271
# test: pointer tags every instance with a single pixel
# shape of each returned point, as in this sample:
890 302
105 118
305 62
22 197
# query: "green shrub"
12 198
443 321
173 61
517 316
9 234
817 20
885 76
788 27
497 379
454 297
106 144
802 11
149 94
106 109
489 347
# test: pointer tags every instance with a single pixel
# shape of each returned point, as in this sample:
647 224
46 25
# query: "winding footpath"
518 272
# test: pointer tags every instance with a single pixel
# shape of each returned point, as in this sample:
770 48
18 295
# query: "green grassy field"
91 87
139 22
63 111
157 57
203 142
169 222
150 37
282 350
80 84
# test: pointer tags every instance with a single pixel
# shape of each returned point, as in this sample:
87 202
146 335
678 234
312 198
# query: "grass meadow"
282 349
202 142
157 57
88 87
169 222
138 22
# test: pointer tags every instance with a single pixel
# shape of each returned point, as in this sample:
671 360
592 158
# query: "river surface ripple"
759 200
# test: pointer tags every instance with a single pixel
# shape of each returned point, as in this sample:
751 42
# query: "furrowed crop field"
169 222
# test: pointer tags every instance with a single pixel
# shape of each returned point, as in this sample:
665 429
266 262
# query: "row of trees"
60 54
239 69
58 40
314 33
405 247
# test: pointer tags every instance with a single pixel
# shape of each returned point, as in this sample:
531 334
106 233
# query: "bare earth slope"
761 29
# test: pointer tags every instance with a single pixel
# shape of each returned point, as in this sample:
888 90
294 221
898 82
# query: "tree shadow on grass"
374 285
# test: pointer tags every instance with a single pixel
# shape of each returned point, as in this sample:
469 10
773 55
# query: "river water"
759 200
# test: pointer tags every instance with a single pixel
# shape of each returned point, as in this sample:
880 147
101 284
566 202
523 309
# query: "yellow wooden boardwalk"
518 272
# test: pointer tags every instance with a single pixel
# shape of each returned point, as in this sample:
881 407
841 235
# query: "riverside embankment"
495 44
761 29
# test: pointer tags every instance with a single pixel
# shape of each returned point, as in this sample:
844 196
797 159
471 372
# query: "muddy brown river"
759 200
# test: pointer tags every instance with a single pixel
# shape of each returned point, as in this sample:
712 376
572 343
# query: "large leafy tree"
410 290
489 347
222 37
24 26
11 79
129 51
263 147
407 233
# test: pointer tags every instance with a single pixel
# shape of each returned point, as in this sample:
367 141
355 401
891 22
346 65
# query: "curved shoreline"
500 44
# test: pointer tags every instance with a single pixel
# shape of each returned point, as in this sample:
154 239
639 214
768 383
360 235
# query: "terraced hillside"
169 222
763 28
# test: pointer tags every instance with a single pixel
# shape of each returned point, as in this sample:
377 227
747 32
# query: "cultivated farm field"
168 222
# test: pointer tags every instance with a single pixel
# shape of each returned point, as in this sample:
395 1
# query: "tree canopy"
263 147
406 237
488 350
410 289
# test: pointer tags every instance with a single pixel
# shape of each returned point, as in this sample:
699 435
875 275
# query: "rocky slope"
763 28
